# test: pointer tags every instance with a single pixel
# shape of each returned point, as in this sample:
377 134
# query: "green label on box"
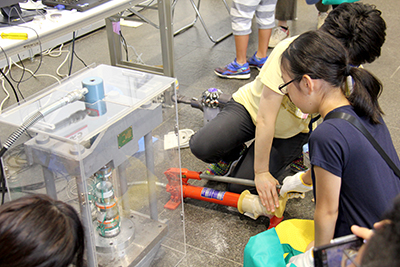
125 137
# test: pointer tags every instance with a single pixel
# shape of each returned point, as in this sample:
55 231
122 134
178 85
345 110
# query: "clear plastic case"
106 158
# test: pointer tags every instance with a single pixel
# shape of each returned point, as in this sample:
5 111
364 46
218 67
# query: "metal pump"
246 203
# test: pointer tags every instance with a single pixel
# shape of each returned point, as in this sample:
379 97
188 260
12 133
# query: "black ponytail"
366 91
321 56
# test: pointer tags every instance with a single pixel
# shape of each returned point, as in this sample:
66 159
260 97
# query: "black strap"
313 119
356 123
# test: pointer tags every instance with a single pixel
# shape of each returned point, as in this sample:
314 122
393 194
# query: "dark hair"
321 56
39 231
360 28
383 249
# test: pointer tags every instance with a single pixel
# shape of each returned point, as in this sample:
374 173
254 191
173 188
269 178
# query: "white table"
49 29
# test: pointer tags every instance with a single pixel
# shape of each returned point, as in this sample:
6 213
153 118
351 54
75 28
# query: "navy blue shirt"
368 184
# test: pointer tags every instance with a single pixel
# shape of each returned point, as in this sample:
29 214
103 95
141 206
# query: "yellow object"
14 35
251 206
296 232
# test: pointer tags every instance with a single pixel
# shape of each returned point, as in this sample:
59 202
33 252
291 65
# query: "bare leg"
282 23
263 41
241 42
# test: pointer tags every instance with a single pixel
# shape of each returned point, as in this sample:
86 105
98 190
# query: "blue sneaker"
234 71
256 63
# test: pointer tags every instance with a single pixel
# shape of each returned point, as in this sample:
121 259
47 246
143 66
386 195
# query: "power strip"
35 50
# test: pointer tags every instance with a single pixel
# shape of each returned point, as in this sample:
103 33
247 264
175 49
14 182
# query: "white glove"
302 260
294 186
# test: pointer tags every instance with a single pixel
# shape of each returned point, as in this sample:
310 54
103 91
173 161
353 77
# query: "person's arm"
270 102
307 178
296 185
327 190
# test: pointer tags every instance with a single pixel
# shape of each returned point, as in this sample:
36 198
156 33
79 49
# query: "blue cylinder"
94 98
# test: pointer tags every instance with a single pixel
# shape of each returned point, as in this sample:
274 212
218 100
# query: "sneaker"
298 164
321 18
256 63
223 168
278 34
234 71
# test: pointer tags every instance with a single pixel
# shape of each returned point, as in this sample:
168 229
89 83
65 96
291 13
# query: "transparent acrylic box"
109 166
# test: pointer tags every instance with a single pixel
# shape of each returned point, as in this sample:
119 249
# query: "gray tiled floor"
216 235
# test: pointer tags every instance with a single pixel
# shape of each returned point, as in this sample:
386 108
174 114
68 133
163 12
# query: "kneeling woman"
352 182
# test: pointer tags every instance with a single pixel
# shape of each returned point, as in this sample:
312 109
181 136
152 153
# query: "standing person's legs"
285 10
241 43
265 17
322 12
242 13
263 41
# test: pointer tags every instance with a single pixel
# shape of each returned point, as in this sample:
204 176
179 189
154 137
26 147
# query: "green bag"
337 2
266 250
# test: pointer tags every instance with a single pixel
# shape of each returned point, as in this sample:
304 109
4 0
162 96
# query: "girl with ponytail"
352 182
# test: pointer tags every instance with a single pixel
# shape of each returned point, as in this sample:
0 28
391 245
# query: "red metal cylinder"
211 195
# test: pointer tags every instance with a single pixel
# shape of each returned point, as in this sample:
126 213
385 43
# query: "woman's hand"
305 259
365 234
266 188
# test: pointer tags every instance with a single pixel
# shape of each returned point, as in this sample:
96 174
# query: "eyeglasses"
283 88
